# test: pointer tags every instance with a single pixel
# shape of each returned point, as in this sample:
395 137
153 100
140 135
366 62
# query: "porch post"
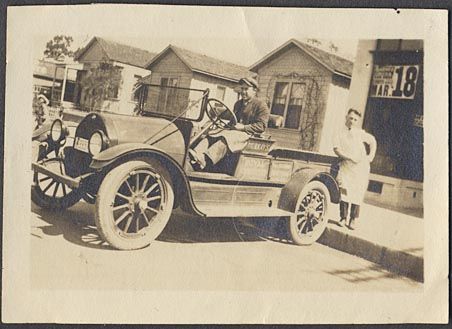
63 88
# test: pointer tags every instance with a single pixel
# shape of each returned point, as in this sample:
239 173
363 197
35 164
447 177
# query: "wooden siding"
201 81
94 54
294 65
169 66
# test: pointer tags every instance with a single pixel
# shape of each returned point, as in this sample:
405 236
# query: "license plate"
81 144
54 114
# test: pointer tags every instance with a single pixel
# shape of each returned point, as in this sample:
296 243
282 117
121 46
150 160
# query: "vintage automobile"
136 170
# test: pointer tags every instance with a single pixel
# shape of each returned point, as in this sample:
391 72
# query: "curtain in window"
280 98
295 106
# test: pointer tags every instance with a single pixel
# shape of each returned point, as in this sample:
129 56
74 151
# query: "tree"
314 42
101 82
59 45
333 48
317 43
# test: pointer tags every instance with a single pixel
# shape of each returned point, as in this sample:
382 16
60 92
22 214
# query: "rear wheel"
47 193
134 204
310 219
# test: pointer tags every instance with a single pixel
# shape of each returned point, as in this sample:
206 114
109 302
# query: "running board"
238 210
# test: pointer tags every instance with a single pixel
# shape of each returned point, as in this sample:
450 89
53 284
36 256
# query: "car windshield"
168 99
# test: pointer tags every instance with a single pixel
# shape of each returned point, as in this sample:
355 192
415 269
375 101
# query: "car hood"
158 132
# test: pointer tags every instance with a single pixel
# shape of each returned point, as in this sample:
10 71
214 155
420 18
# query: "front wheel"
310 218
47 193
134 204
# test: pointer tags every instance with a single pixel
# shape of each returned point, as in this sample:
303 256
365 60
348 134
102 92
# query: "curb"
395 261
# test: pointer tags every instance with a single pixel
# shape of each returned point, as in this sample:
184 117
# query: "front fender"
290 192
173 163
42 133
111 154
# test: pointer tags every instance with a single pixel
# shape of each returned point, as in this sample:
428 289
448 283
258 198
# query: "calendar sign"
394 81
418 120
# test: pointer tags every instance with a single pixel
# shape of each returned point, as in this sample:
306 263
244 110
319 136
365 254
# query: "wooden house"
309 88
130 61
179 67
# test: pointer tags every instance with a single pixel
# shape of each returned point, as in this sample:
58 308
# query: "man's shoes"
352 224
342 222
197 162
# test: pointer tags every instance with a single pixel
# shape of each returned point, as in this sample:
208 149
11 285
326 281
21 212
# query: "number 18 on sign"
391 81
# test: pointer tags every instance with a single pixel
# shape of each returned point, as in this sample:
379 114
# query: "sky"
238 35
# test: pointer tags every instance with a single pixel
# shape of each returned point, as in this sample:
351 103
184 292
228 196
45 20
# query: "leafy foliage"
59 45
100 83
317 43
314 42
333 48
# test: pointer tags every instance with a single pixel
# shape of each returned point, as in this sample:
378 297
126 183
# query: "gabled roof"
334 63
119 52
204 64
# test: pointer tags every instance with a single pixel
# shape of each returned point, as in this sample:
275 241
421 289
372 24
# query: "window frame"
168 79
223 88
290 82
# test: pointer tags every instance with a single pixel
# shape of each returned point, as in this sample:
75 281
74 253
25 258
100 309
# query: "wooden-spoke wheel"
134 204
47 193
310 219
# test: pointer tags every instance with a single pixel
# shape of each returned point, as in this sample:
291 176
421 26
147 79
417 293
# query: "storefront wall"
394 112
392 73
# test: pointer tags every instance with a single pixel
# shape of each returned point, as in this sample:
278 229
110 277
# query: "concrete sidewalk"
391 239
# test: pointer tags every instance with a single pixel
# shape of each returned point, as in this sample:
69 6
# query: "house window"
167 95
221 92
135 97
288 102
113 92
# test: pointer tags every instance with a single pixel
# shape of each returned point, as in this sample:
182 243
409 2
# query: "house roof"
119 52
46 69
332 62
205 64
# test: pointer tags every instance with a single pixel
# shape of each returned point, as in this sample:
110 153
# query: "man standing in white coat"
354 167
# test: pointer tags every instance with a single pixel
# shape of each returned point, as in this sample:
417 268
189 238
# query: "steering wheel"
220 115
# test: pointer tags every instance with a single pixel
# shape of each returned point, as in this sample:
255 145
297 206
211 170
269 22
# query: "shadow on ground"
77 226
366 274
183 229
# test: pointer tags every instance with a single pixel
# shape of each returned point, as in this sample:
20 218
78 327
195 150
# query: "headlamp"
56 131
97 142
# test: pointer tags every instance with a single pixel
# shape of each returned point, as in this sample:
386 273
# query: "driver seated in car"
252 118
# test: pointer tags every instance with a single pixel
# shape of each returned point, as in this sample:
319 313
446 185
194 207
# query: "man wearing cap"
252 118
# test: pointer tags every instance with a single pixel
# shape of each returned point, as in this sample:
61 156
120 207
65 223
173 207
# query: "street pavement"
390 239
192 254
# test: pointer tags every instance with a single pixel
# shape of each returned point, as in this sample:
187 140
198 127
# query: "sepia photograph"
183 157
